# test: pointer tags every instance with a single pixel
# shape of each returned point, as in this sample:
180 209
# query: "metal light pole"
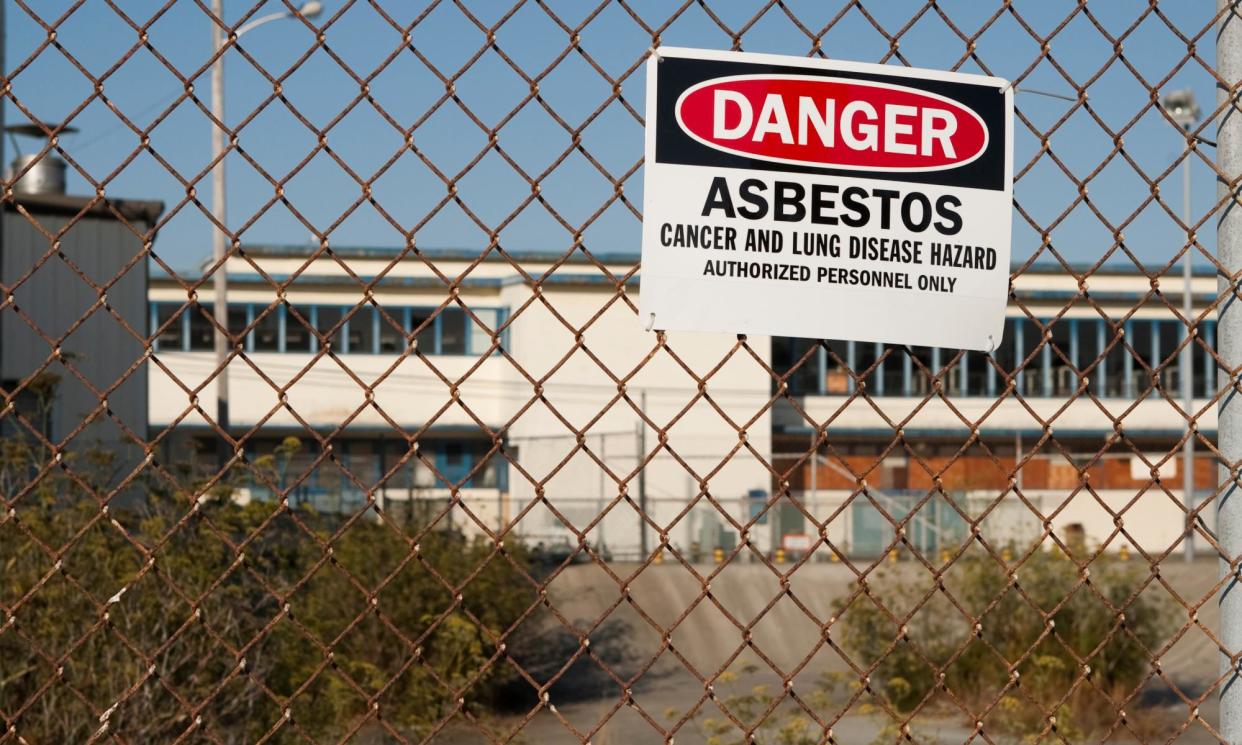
1229 347
219 236
1182 107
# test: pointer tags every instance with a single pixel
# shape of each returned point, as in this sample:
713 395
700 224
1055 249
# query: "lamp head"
310 9
1182 107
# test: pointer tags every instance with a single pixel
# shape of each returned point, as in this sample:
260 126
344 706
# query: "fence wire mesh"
199 577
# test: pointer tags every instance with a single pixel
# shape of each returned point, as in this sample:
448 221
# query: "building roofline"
389 282
955 435
566 279
435 253
68 205
458 253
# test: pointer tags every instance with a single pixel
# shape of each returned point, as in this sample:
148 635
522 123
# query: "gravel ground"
705 639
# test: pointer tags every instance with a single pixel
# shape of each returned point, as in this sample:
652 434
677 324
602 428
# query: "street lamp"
306 10
1183 109
219 249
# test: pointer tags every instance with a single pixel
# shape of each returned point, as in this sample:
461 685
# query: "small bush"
1094 653
278 635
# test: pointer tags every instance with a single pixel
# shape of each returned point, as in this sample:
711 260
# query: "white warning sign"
830 200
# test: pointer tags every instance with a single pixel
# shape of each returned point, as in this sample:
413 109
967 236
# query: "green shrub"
1080 644
241 638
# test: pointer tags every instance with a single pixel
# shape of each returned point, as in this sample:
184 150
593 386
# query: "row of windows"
371 464
1042 369
367 331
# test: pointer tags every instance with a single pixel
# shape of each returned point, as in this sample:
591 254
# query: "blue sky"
322 192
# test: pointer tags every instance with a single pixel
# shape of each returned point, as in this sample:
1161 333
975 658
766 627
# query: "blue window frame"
444 331
368 460
456 459
175 336
1058 351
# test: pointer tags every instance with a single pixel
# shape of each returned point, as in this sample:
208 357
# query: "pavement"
668 683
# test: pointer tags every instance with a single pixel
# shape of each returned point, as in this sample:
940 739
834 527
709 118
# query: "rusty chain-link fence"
437 484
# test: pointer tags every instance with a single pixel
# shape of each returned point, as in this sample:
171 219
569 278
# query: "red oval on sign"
832 122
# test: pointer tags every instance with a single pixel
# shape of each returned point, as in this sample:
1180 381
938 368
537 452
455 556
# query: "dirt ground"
668 680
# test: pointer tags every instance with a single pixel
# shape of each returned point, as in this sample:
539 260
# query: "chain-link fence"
398 462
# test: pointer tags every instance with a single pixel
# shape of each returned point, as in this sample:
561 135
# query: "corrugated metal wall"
57 304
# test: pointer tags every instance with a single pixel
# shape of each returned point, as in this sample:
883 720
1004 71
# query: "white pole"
1187 366
219 236
1229 341
220 281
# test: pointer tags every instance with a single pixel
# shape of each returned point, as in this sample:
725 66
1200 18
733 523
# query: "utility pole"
219 206
1229 343
643 548
220 280
1183 109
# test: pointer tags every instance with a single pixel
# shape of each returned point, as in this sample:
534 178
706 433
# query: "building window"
1168 337
452 331
326 318
299 328
423 326
977 370
918 369
202 330
864 357
292 466
362 331
298 324
1089 335
1206 369
1141 340
1115 362
391 337
893 371
481 330
1029 338
239 318
266 334
1129 366
1005 358
1062 379
169 324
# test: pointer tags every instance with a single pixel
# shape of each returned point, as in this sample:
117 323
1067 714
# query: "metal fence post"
1229 341
642 480
1187 372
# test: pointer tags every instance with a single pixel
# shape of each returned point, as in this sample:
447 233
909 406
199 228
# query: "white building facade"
517 392
488 395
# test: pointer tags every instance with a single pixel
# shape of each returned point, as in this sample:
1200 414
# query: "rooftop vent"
46 174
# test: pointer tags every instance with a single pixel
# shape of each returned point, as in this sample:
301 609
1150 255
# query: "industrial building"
442 374
73 332
517 383
1117 339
